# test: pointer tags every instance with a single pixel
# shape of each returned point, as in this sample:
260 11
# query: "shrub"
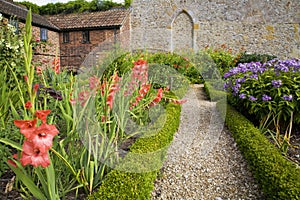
245 57
120 184
278 178
181 64
222 58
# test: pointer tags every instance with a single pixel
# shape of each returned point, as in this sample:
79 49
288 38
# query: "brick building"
71 37
81 33
44 32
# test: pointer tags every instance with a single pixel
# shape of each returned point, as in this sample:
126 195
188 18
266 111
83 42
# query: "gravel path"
203 162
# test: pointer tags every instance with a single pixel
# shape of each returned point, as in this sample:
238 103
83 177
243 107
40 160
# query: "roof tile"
100 19
11 9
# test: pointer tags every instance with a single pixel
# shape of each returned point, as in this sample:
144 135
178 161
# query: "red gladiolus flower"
158 96
144 90
179 101
83 97
42 115
28 105
36 87
39 70
43 136
56 63
140 62
109 100
72 101
26 78
33 156
27 127
93 82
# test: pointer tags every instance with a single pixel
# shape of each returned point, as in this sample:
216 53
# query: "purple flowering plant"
267 90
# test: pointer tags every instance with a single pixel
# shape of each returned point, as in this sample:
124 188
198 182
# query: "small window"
15 24
44 34
66 37
85 36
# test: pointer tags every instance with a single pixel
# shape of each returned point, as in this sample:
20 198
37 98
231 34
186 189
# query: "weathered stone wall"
263 26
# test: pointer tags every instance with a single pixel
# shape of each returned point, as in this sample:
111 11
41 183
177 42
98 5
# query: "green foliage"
245 57
213 93
278 178
77 6
174 61
128 3
120 184
34 8
222 58
11 52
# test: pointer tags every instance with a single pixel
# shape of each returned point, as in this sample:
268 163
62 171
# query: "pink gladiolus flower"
42 115
39 70
43 136
179 101
72 101
33 156
26 78
27 127
93 82
83 97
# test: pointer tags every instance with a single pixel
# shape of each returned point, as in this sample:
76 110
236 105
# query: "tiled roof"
10 9
105 19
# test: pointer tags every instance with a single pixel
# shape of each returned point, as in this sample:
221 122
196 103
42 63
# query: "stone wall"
263 26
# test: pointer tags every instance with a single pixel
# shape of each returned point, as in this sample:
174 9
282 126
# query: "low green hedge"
133 179
278 178
212 93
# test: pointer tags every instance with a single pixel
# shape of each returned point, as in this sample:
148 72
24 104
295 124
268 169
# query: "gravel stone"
203 161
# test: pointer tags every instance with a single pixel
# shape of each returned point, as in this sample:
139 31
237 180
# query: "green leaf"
31 186
11 143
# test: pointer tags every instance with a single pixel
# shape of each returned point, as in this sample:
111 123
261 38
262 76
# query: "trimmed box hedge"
133 179
278 177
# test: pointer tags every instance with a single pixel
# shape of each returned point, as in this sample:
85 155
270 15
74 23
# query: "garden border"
278 177
126 185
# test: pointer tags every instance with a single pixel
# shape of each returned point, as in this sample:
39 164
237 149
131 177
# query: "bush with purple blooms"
269 92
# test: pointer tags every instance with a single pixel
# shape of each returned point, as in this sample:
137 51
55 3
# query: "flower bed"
278 178
120 184
69 132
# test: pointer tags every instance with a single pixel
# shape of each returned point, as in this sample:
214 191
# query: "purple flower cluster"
253 67
242 96
291 65
288 97
252 98
276 83
237 78
266 98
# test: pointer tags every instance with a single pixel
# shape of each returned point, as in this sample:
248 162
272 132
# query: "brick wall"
45 53
75 52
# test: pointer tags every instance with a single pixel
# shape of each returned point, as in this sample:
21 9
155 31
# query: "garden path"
203 161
